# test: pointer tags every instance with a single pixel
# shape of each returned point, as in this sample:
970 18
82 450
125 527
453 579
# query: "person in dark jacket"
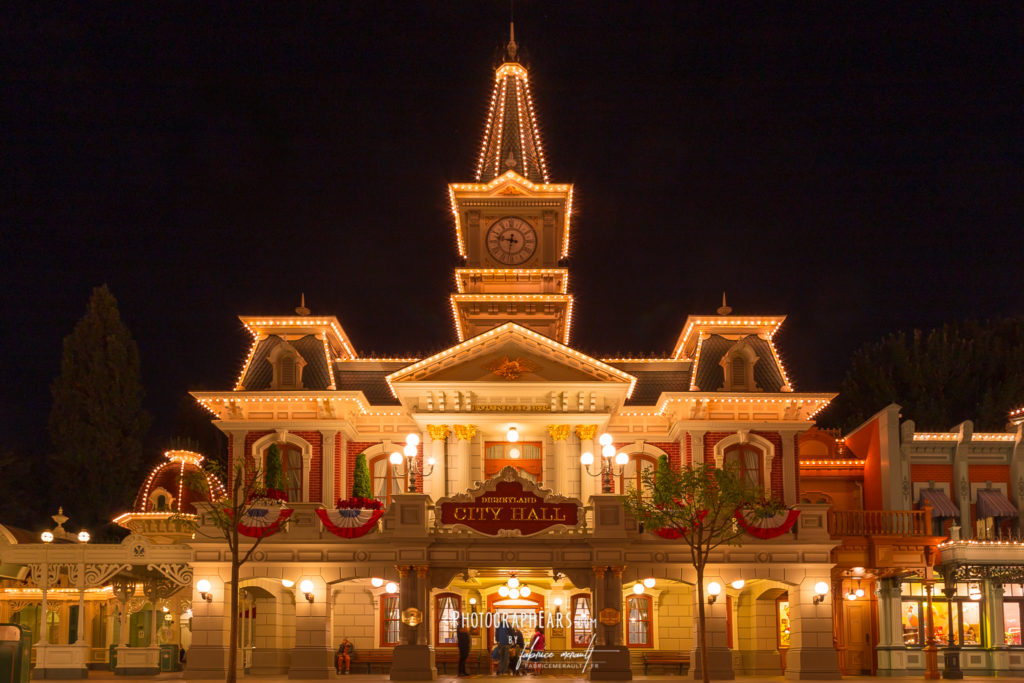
502 636
462 638
517 644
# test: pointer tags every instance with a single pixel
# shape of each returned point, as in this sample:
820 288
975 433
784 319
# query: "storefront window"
966 615
1013 609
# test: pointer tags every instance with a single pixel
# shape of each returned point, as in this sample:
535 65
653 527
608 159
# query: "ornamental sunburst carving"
510 369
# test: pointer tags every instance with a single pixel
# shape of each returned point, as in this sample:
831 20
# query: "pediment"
511 354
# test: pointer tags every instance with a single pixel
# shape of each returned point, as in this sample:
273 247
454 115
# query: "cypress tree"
361 478
97 423
275 470
663 475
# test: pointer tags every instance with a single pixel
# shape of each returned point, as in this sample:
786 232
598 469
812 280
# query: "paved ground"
382 678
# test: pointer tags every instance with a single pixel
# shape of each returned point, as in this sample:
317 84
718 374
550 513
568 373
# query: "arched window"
738 367
632 474
390 620
287 365
582 620
748 460
385 483
639 626
447 608
291 467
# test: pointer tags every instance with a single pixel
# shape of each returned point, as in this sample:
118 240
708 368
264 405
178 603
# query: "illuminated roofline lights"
502 273
772 321
615 372
262 397
954 436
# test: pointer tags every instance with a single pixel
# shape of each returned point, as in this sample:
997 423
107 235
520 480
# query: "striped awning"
942 506
993 503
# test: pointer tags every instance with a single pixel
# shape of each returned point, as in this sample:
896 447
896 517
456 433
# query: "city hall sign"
508 505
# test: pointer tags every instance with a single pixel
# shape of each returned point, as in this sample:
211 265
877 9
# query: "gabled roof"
470 360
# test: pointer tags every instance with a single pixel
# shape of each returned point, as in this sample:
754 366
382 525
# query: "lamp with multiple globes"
46 537
408 453
606 470
376 582
83 536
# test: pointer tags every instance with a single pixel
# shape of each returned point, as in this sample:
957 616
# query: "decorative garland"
263 517
766 527
354 517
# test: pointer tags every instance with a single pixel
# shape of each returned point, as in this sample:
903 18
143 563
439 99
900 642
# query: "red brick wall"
979 474
926 473
711 440
354 449
672 448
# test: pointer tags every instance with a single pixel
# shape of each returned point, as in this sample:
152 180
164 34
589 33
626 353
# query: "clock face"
511 241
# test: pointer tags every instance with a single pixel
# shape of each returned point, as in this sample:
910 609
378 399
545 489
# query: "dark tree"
361 478
97 423
961 371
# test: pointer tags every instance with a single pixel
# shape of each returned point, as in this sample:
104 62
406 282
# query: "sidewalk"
383 678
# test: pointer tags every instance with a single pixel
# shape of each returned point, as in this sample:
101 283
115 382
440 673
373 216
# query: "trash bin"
14 658
169 657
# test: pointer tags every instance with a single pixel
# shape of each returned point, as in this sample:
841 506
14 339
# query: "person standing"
502 636
517 644
462 638
536 646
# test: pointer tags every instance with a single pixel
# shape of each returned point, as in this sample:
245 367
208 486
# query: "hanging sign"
509 505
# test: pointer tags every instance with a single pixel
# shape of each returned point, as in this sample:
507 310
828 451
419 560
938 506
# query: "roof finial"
511 49
302 310
724 309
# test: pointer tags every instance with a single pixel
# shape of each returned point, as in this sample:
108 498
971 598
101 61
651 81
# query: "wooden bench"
443 656
371 657
667 657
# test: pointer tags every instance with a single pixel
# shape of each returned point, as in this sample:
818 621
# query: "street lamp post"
408 453
606 470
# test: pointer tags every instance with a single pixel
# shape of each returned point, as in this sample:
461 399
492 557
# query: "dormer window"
287 364
738 367
160 500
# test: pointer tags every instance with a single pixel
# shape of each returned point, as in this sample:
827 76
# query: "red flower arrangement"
358 502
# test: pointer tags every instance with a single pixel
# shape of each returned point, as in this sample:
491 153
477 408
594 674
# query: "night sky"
859 171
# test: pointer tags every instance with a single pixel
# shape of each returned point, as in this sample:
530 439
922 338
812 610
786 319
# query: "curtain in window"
447 619
380 479
639 621
293 472
582 625
749 461
392 620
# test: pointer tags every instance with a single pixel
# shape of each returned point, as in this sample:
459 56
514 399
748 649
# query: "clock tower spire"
512 224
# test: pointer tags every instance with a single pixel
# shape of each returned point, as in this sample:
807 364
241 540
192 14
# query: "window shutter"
287 371
739 372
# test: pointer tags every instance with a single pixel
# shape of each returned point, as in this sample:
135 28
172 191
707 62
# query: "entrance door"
526 612
859 650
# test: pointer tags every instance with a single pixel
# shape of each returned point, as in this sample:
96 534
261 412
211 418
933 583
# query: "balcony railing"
880 522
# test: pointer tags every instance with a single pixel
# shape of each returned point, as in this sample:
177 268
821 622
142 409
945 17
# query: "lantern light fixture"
83 536
649 582
307 589
638 588
714 590
512 435
820 591
203 587
390 587
376 582
46 536
738 584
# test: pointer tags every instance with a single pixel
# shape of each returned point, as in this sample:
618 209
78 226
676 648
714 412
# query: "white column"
465 466
697 444
561 456
437 482
328 464
588 484
811 653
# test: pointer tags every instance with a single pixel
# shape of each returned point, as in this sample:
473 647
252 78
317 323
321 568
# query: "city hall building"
501 493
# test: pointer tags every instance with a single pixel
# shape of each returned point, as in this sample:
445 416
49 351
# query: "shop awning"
942 506
993 503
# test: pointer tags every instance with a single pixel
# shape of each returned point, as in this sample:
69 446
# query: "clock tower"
512 224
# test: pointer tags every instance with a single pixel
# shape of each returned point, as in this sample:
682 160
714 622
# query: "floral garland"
358 502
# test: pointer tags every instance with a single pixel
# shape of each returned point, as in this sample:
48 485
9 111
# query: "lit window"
747 460
390 620
639 626
582 621
447 608
385 483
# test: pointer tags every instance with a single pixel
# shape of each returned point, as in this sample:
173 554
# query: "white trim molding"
744 436
284 436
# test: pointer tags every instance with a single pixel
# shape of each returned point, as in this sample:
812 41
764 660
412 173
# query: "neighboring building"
915 507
